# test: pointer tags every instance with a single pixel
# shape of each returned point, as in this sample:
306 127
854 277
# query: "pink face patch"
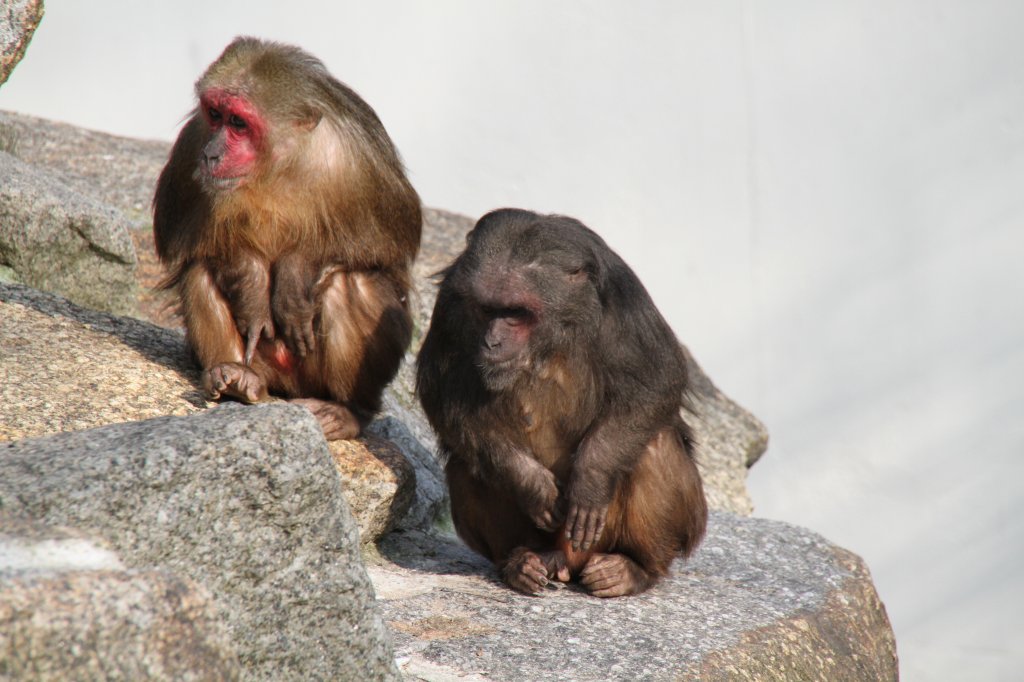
243 129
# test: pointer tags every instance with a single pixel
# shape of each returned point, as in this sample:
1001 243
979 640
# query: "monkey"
288 228
556 390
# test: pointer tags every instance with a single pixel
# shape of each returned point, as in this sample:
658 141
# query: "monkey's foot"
234 380
614 575
337 421
529 572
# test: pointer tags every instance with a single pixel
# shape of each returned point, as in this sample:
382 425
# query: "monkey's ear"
580 274
310 119
594 269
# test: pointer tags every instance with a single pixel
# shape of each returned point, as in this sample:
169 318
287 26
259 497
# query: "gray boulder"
57 240
760 600
66 368
18 21
72 611
119 172
242 500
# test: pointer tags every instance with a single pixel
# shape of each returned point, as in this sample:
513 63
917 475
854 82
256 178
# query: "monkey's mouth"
221 184
497 374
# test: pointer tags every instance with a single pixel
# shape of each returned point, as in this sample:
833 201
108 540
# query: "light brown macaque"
556 390
288 228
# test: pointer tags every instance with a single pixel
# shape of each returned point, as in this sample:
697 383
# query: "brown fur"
322 231
557 390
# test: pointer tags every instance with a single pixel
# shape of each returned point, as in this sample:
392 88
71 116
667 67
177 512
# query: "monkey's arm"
245 282
644 378
610 449
532 484
295 277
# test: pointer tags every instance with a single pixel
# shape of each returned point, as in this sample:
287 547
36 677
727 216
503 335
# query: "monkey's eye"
214 114
512 316
237 122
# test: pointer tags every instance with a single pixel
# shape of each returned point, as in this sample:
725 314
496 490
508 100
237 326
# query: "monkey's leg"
615 575
489 520
364 328
215 340
663 515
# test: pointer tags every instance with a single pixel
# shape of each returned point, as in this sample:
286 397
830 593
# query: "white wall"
826 200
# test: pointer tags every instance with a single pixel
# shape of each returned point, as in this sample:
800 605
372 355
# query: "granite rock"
65 368
244 501
71 611
760 600
18 22
57 240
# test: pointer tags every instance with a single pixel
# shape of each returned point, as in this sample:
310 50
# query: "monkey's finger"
252 340
570 522
594 527
576 527
587 528
545 521
309 338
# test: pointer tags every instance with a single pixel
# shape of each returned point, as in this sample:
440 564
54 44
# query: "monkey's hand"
295 323
539 498
293 305
588 500
253 326
584 525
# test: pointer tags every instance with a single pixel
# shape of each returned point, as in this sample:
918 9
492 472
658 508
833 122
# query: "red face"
237 134
510 310
508 334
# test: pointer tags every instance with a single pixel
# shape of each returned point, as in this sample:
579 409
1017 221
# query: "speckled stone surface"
760 600
55 239
18 21
65 368
243 500
71 611
378 482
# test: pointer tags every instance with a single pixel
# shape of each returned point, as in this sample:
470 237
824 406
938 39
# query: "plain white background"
825 199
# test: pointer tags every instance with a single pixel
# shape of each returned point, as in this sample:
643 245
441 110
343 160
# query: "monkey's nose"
213 151
492 340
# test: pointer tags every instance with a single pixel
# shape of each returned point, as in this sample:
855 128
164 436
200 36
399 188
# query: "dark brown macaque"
556 390
288 228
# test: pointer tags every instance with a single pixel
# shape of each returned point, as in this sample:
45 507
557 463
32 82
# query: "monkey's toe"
337 421
614 575
233 380
525 572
